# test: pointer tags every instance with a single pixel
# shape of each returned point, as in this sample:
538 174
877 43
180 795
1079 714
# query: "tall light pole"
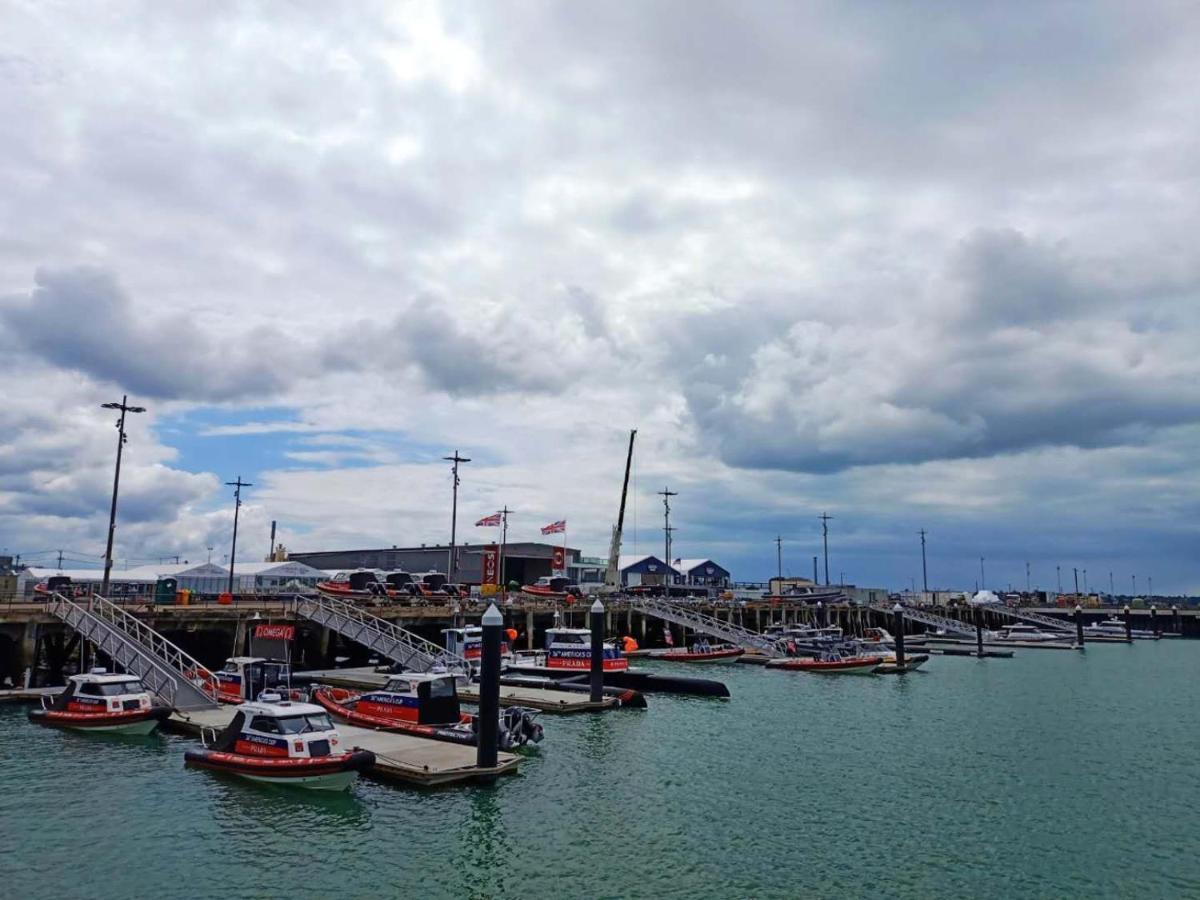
1076 571
237 505
1058 572
124 407
779 558
982 580
824 517
667 494
1112 591
1027 588
452 564
1085 587
924 572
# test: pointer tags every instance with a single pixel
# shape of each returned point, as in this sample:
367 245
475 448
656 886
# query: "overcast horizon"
918 267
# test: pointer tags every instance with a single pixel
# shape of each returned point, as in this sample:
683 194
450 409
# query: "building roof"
629 562
688 566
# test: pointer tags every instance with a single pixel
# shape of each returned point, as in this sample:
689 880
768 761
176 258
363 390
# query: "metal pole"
816 580
982 580
1079 624
237 505
979 633
597 659
1076 571
1027 587
124 407
898 612
1128 625
1058 573
503 543
825 541
271 548
924 571
452 563
489 690
779 558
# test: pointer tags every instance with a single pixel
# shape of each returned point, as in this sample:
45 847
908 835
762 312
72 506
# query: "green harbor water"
1054 774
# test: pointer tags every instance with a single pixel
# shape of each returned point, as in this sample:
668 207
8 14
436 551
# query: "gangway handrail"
410 650
170 653
1037 618
706 624
914 614
128 652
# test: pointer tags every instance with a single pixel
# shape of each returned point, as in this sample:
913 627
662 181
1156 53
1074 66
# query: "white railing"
161 673
386 638
954 626
706 624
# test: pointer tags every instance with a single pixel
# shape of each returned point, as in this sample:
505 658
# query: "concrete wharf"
543 699
398 757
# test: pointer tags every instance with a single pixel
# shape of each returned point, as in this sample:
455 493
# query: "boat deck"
543 699
398 757
29 695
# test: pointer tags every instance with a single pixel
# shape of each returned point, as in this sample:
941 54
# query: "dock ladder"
386 638
679 614
140 650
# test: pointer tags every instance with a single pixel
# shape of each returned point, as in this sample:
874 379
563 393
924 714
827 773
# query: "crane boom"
612 577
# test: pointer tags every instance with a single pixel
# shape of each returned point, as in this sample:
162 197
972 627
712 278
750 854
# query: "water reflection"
485 852
241 802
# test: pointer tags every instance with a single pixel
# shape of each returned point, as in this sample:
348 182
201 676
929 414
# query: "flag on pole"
489 521
559 527
667 636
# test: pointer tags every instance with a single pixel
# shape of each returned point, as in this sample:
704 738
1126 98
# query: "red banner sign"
491 564
560 559
275 632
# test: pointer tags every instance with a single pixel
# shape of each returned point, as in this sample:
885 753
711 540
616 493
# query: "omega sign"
275 632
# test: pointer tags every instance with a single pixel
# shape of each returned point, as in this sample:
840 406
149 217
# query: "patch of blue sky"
251 441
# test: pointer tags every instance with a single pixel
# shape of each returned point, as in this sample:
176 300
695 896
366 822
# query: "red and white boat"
704 653
467 642
99 701
427 705
553 587
281 742
830 665
245 677
567 649
362 584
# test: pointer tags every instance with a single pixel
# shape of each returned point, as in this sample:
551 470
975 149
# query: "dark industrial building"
524 562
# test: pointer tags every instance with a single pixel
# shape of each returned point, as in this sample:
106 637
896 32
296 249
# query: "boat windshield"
302 724
116 688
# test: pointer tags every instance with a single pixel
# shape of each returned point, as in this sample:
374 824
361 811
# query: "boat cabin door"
437 701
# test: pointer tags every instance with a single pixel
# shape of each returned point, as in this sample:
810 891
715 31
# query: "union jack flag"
489 521
558 527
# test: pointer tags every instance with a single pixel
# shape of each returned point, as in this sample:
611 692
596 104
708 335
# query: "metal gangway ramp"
913 614
706 624
139 649
1024 615
411 651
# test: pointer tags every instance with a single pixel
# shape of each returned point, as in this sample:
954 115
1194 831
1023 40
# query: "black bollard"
489 690
1128 625
598 652
899 634
1079 624
1175 618
979 633
820 614
1153 619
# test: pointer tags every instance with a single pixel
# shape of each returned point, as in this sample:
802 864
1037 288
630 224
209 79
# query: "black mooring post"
489 689
1079 624
898 610
1128 625
820 614
1175 618
979 633
597 672
1153 619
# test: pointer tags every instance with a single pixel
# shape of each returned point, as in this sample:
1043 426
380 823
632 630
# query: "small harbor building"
648 569
701 573
524 561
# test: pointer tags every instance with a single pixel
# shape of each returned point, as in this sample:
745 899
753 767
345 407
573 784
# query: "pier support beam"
489 690
597 660
529 630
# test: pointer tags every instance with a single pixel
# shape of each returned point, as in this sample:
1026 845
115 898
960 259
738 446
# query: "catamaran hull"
633 679
864 666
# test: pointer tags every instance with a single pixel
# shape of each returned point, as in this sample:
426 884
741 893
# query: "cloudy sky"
927 265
